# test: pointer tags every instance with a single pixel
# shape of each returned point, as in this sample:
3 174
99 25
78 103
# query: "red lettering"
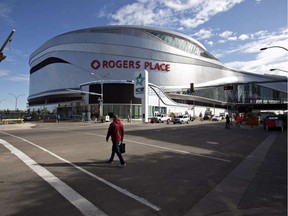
146 65
119 64
125 64
95 64
157 67
105 64
111 64
167 68
131 64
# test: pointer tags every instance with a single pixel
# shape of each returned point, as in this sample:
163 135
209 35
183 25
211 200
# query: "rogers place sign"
129 64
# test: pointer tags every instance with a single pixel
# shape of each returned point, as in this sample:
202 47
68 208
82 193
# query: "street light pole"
101 95
264 48
273 69
16 98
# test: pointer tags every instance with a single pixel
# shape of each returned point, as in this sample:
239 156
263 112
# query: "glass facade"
182 44
243 94
126 106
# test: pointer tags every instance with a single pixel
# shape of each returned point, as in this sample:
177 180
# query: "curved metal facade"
172 60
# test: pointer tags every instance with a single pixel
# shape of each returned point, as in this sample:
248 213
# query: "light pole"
101 94
264 48
273 69
16 98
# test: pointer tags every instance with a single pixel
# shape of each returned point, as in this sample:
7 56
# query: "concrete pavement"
257 186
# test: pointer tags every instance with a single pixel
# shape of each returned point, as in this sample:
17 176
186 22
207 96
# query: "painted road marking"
123 191
81 203
154 146
212 143
180 151
161 147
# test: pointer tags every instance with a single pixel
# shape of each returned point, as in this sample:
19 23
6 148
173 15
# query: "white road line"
212 143
123 191
180 151
82 204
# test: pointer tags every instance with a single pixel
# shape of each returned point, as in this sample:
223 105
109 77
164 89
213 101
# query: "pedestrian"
200 116
116 131
227 125
238 120
58 117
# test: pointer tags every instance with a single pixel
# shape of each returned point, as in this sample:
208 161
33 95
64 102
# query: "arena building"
182 73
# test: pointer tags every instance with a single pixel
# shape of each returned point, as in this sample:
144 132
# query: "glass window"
182 44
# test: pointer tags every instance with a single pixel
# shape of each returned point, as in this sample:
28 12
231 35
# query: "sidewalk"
258 186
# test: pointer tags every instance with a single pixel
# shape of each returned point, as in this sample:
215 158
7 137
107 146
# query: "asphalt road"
60 169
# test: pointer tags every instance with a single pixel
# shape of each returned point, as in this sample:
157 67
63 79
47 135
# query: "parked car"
163 118
217 118
181 119
207 117
154 119
27 118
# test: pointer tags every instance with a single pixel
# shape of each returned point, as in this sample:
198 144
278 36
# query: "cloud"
139 13
102 13
205 9
19 77
221 41
210 43
243 37
183 14
226 34
4 73
5 11
203 34
181 5
262 61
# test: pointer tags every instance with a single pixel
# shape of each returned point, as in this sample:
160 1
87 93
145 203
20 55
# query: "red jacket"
115 130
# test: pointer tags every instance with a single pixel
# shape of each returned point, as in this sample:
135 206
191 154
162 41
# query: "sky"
231 30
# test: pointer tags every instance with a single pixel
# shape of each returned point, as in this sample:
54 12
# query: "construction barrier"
13 121
253 121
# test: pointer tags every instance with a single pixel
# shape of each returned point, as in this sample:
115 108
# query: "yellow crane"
2 56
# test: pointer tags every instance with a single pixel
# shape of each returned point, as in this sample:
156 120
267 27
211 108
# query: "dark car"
207 117
27 118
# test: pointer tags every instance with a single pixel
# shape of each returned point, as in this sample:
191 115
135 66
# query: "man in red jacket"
116 131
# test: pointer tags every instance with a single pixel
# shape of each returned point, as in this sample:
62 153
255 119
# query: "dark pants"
227 125
115 149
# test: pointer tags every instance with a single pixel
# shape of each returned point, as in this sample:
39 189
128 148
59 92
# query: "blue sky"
232 30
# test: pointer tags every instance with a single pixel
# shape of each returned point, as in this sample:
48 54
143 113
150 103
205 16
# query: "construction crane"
2 56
